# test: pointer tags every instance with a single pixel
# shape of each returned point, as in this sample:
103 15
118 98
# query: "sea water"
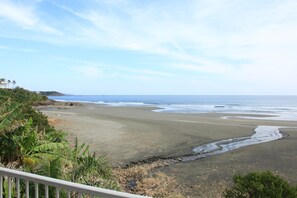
276 107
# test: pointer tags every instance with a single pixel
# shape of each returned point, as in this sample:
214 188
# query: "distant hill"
51 93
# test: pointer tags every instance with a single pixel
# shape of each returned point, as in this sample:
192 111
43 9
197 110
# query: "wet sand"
209 177
126 134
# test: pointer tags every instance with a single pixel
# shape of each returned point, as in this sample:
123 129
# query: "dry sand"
126 134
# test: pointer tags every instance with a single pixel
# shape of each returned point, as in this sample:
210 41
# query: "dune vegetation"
29 143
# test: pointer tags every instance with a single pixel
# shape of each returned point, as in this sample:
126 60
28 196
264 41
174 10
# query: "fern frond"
49 147
9 114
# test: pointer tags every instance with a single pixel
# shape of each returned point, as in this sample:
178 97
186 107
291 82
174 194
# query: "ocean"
280 107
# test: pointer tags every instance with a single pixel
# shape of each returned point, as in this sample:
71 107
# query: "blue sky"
150 47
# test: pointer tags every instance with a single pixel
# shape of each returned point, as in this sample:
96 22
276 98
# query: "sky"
174 47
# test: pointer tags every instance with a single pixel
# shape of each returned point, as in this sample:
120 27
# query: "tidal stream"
262 134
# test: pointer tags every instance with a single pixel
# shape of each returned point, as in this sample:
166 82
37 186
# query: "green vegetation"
25 100
31 144
51 93
259 185
21 95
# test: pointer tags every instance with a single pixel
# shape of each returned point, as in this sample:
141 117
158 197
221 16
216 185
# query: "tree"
9 114
9 81
13 83
10 121
2 80
260 184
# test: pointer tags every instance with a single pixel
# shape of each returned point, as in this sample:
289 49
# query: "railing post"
18 187
36 190
9 187
1 186
27 189
57 192
46 191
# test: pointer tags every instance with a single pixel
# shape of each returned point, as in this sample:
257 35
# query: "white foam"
121 104
283 116
286 113
100 102
60 100
264 112
187 108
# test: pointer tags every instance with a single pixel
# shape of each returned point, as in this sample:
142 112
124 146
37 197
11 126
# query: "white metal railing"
14 177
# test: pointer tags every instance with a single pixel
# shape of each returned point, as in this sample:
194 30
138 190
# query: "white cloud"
146 72
237 40
17 13
88 71
173 32
208 67
24 16
4 47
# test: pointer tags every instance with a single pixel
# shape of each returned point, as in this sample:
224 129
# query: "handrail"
61 184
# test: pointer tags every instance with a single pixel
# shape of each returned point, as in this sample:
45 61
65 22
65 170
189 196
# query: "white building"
3 85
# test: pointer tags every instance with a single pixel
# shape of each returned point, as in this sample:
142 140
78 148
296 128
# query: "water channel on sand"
262 134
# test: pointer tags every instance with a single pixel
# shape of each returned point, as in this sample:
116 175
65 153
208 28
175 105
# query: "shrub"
25 99
27 139
21 95
260 184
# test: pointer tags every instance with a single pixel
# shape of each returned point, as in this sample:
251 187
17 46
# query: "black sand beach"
129 134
